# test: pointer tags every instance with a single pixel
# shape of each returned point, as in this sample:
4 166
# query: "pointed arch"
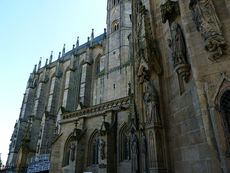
97 64
69 151
93 148
124 143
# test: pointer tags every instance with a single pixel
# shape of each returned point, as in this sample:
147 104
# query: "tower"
117 61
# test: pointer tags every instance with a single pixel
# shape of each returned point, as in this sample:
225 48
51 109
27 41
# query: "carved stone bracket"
105 128
77 132
147 51
207 22
169 11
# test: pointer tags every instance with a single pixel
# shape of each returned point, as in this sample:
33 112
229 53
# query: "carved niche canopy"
147 52
169 11
208 23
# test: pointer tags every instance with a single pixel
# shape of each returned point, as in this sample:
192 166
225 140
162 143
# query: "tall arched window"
124 143
69 151
82 83
93 149
115 26
98 65
224 106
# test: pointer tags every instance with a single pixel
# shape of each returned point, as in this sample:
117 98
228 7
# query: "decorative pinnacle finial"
77 43
40 62
88 39
46 62
73 46
63 50
104 30
51 57
59 56
35 68
92 35
76 123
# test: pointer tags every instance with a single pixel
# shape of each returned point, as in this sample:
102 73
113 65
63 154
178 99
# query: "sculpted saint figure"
177 45
207 22
102 149
72 148
151 103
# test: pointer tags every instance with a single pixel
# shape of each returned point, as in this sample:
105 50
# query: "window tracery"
69 151
124 141
93 149
115 26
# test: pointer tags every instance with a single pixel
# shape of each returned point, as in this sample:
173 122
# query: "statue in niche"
143 152
134 152
177 45
151 101
207 22
102 149
72 149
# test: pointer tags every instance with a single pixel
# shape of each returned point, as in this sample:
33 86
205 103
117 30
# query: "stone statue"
134 152
151 100
177 45
102 149
207 22
72 149
143 152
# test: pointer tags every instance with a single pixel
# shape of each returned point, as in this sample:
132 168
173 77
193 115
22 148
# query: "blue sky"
31 29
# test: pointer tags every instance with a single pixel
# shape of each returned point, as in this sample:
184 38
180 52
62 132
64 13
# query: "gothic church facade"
149 95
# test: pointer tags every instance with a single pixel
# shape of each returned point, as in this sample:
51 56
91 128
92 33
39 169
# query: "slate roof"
96 39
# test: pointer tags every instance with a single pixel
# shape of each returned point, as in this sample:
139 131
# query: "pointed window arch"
82 82
115 26
93 149
69 151
124 143
224 108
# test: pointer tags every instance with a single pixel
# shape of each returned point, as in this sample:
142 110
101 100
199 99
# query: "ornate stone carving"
102 149
134 152
151 101
169 11
178 47
147 54
78 132
208 23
